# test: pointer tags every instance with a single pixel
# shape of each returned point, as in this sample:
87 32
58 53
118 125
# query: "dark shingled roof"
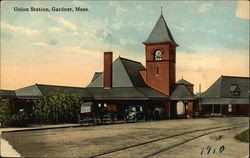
39 90
126 93
151 93
180 92
93 93
184 82
96 75
160 33
125 74
7 93
219 92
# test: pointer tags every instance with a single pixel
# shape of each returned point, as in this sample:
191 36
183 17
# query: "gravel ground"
86 141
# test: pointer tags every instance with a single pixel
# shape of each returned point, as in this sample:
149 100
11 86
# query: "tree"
9 116
5 112
58 107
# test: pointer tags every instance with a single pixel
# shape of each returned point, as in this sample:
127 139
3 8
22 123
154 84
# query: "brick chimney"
107 72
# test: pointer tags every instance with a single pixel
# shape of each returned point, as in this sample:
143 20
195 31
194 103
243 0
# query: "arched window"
157 55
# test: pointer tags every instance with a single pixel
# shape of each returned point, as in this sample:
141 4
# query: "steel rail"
185 141
155 140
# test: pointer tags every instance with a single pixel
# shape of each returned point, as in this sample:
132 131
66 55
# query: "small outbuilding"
229 95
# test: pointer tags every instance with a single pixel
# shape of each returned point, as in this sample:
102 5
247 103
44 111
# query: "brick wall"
107 78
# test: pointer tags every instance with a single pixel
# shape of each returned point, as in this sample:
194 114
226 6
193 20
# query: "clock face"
158 53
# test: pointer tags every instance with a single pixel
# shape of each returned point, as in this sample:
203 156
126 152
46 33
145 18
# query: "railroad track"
168 147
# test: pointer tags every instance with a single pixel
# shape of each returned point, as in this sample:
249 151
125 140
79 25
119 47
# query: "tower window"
157 70
157 55
234 89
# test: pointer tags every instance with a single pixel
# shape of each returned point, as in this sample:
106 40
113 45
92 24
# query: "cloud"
182 29
139 8
126 41
64 22
117 24
53 42
42 44
212 31
204 7
189 49
20 29
119 9
80 3
39 44
55 29
242 10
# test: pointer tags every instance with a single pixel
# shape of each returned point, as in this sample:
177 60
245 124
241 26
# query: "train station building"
153 87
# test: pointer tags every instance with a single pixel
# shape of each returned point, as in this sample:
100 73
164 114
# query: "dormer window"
235 89
157 55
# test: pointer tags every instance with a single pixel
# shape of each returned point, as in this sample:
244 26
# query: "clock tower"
160 49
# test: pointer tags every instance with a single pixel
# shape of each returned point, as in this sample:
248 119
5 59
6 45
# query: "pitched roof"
7 93
93 93
126 93
180 92
151 93
125 73
96 75
160 33
39 90
184 82
219 92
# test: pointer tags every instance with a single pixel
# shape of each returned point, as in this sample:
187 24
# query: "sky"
66 48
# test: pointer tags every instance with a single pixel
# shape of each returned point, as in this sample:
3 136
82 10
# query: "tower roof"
184 82
160 33
180 92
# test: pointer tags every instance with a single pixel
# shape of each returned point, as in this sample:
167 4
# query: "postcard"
124 79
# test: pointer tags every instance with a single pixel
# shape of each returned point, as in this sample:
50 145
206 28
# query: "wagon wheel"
95 121
125 120
79 119
144 118
135 119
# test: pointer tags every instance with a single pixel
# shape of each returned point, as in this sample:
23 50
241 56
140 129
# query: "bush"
58 107
243 136
18 119
6 111
10 117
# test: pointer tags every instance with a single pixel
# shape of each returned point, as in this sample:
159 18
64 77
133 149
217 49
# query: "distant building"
229 95
7 94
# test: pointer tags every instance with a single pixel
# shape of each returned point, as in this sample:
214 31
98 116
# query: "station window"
230 107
